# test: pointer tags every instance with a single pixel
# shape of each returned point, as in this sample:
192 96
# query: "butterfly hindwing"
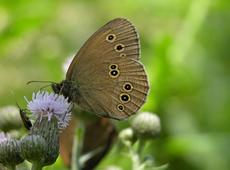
115 96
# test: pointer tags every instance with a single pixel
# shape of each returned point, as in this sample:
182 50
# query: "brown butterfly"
106 76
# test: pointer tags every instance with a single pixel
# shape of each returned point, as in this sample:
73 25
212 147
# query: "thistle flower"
52 112
4 137
50 105
10 151
146 125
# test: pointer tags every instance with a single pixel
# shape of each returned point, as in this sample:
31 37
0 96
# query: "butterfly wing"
98 45
105 64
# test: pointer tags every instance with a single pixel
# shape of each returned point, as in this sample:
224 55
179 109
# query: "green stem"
36 166
135 159
77 147
136 155
140 148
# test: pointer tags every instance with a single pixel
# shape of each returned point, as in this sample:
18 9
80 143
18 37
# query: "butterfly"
106 77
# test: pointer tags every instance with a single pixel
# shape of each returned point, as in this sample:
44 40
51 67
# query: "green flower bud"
48 129
127 136
10 118
146 125
33 148
10 151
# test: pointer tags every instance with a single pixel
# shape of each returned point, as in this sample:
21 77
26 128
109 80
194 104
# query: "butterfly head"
63 88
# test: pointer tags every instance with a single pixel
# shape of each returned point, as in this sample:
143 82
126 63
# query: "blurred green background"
185 48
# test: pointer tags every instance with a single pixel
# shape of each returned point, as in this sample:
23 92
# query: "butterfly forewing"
97 45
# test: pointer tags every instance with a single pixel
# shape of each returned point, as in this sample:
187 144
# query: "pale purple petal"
4 137
45 104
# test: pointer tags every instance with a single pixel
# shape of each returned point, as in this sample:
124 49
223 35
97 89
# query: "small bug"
26 121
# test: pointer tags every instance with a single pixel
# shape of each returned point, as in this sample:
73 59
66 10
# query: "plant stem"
140 148
135 159
77 147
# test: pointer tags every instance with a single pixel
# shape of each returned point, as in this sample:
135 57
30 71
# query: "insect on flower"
25 119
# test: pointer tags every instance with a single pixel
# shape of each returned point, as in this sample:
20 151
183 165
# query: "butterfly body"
106 76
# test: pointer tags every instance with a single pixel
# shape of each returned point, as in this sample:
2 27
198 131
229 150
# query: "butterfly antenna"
41 81
45 87
35 81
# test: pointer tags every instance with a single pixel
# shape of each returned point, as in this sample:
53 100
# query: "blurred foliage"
185 48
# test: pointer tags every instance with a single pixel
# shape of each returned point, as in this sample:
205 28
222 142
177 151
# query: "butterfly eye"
111 38
120 107
127 87
122 55
119 47
124 97
114 73
113 66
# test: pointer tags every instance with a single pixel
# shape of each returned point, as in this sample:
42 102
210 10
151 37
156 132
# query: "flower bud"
127 136
33 148
10 151
146 125
41 146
